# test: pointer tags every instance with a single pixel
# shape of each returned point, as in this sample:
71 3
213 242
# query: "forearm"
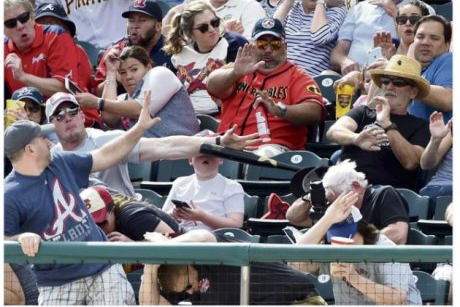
406 153
148 291
439 98
283 10
109 86
316 233
233 220
430 156
396 232
380 294
46 86
339 55
319 18
303 114
342 136
222 81
298 213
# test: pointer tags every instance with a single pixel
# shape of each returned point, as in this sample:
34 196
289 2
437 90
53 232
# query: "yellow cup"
343 100
12 105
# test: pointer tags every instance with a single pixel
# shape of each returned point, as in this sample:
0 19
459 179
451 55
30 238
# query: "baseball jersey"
49 205
288 84
53 54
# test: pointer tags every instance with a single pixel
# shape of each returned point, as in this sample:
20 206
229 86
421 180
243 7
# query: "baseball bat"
244 157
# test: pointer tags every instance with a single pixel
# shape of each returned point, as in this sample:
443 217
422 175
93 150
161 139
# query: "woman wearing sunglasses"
405 21
199 44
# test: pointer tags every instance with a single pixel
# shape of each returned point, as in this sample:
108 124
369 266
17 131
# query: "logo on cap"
268 23
139 3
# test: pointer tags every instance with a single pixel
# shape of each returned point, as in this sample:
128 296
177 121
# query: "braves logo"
268 24
40 57
65 207
139 4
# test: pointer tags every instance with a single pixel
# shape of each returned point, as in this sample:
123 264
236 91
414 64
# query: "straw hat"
404 67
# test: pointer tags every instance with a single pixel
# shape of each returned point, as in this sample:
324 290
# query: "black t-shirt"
384 206
270 284
135 219
382 167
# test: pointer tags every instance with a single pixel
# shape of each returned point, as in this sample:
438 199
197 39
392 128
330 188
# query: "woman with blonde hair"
199 44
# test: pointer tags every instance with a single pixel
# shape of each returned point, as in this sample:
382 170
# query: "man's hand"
116 236
234 25
87 100
245 62
437 128
343 271
348 65
30 242
232 140
14 62
382 109
371 138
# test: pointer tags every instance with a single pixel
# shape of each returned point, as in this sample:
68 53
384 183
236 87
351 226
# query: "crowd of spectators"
249 64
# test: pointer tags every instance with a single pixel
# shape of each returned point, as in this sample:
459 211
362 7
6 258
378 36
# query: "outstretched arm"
440 142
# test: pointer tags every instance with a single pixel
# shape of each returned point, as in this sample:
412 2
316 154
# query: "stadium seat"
251 204
239 234
278 239
92 52
323 284
299 158
134 279
433 291
418 205
151 197
208 122
323 148
169 170
325 83
442 202
141 171
416 237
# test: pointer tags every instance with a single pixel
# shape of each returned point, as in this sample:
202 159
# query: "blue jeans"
433 191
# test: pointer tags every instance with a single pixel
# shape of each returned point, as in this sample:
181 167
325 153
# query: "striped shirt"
312 51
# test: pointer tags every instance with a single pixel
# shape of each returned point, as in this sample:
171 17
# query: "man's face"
20 29
398 91
42 147
142 29
69 122
429 42
271 50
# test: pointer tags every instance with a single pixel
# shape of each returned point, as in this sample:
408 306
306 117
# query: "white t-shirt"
97 22
218 196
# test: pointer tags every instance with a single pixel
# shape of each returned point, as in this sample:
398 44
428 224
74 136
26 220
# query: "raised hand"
245 62
371 138
244 142
437 128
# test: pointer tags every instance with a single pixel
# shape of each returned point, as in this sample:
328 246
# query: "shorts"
110 287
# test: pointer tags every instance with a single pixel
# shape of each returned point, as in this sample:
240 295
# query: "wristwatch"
322 2
392 126
283 108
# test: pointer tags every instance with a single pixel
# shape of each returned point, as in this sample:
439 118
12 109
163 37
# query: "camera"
318 200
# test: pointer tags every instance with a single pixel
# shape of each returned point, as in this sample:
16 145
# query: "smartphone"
374 54
180 204
72 87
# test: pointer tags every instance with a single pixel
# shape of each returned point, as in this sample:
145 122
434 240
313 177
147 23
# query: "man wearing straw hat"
387 142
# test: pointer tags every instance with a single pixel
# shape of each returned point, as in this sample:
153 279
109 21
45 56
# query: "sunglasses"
402 20
203 28
22 18
61 114
274 44
32 108
398 82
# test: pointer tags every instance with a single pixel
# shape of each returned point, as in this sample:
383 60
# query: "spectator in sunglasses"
405 21
385 141
36 55
199 44
262 76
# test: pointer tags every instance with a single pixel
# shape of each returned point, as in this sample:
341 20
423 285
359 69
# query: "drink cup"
342 241
12 105
343 100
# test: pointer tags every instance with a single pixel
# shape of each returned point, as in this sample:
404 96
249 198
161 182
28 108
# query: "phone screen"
180 204
375 54
72 87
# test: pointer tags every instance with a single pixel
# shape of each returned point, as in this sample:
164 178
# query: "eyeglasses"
275 44
203 28
22 18
32 108
402 20
61 114
398 82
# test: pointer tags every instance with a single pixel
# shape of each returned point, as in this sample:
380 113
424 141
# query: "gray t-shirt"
395 275
116 177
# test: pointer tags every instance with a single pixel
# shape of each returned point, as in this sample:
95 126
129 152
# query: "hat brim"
34 99
421 83
70 24
275 34
344 229
47 129
300 182
57 105
127 13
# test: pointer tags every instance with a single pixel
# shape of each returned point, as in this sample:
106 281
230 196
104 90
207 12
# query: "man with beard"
386 142
262 78
144 29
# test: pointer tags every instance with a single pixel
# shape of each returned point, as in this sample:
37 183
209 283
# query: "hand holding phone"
71 87
374 54
180 204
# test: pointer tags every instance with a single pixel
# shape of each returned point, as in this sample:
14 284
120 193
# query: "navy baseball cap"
21 133
346 228
28 92
56 11
149 8
270 26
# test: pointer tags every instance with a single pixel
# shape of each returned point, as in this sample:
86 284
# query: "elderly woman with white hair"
382 206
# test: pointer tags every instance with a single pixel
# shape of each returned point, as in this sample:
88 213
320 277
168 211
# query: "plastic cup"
342 241
12 105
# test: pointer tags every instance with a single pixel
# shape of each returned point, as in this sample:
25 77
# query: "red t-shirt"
288 84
